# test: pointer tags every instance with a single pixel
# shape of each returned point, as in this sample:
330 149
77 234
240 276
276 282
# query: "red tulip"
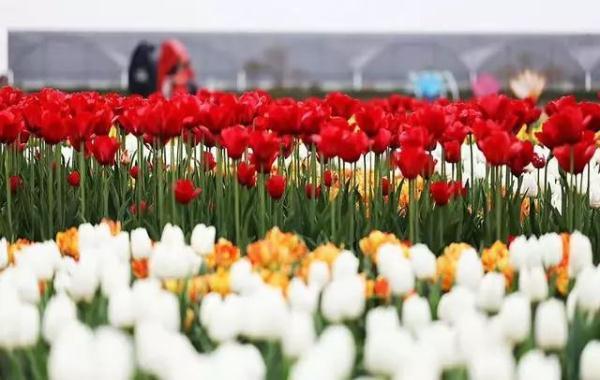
11 125
276 186
208 161
564 127
385 186
441 192
265 148
411 161
282 116
538 161
246 174
104 149
144 208
235 140
329 178
495 147
329 139
520 155
452 151
134 171
185 191
341 104
74 178
574 158
15 183
429 167
432 118
381 141
353 145
371 119
312 191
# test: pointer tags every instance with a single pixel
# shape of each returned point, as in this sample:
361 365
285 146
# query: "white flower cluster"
318 323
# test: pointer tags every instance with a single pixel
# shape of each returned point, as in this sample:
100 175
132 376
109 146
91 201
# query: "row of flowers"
101 303
328 169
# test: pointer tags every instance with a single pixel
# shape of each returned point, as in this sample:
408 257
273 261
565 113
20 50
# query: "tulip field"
239 236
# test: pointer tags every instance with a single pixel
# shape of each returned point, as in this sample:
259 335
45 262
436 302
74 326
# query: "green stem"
8 192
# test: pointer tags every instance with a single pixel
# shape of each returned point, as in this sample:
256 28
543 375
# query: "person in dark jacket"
142 70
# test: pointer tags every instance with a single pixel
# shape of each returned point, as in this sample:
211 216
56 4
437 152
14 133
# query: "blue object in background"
429 85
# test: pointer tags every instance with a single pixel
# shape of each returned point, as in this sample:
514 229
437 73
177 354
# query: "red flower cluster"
569 132
442 192
254 128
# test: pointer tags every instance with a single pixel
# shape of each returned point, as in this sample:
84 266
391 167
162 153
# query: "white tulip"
302 297
318 274
586 289
533 283
455 303
491 292
552 249
398 271
3 253
172 236
72 354
240 274
225 325
469 270
382 318
59 311
203 239
265 314
84 279
386 351
589 362
208 307
113 355
580 250
444 340
344 298
345 265
141 245
26 284
416 313
535 365
515 317
551 325
41 258
249 363
492 364
299 334
171 261
114 275
423 262
121 308
421 363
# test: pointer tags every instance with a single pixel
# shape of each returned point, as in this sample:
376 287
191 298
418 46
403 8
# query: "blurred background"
429 48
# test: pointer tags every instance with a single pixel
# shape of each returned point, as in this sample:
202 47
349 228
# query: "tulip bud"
551 325
141 245
276 186
515 317
589 362
74 178
203 239
469 270
491 292
416 313
535 365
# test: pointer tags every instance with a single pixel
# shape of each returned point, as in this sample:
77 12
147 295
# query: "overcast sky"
415 16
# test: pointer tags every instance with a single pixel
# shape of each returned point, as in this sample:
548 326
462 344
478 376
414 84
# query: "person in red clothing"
175 73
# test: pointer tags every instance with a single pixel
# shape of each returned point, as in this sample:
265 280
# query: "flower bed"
103 303
391 237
